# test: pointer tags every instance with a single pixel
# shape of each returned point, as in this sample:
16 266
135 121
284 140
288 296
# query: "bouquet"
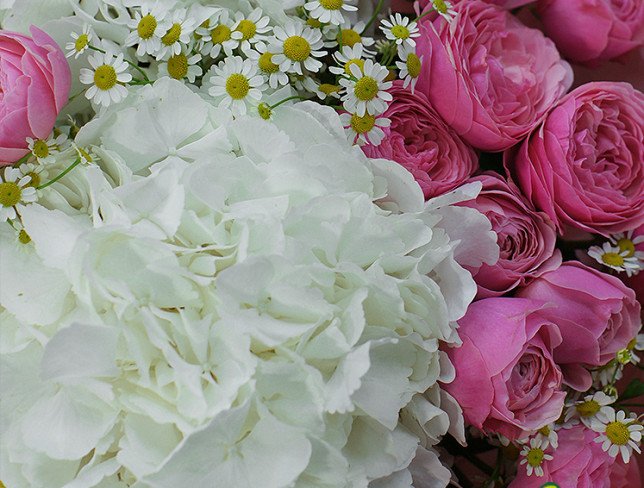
318 244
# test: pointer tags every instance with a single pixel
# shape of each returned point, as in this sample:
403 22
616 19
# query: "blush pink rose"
35 80
420 141
590 31
526 237
596 313
584 166
578 462
506 379
489 76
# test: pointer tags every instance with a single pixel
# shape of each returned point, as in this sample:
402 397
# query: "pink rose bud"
489 76
596 313
584 166
35 80
420 141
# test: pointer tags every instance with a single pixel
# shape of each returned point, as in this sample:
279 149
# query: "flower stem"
373 18
69 168
295 97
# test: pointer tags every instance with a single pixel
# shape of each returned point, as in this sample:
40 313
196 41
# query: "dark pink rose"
584 166
506 379
35 80
578 462
596 313
526 237
626 475
420 141
589 31
488 76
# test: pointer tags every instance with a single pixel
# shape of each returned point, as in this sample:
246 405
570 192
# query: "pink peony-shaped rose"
591 31
596 313
526 237
420 141
506 378
584 166
35 80
626 475
488 76
578 462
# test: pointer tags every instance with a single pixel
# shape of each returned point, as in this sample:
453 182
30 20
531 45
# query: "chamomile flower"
615 258
216 35
149 25
445 9
15 192
328 90
22 238
626 243
548 436
620 434
297 46
533 457
350 35
400 29
366 129
37 172
107 77
180 66
346 57
80 42
86 155
367 91
409 66
236 84
179 34
608 374
250 30
267 67
591 408
45 150
329 11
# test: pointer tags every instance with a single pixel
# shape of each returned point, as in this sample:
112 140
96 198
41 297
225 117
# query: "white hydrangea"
237 301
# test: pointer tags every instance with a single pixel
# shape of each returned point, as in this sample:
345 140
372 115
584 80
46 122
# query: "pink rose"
35 80
407 6
590 31
506 378
526 237
488 76
578 462
584 166
595 312
626 475
420 141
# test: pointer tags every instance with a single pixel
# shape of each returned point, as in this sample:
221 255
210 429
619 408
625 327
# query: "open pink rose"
578 462
488 76
506 378
420 141
526 237
596 313
35 80
584 166
590 31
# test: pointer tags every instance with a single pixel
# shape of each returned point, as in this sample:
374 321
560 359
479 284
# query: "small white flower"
607 374
327 90
590 409
180 66
80 42
346 57
216 35
236 83
15 192
22 238
250 30
445 9
37 172
627 243
620 434
296 46
399 29
86 155
267 67
178 34
533 457
409 66
107 78
366 129
350 35
149 25
45 150
368 92
329 11
616 258
548 436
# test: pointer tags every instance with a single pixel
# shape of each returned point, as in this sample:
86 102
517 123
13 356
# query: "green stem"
135 66
23 159
374 16
295 97
51 182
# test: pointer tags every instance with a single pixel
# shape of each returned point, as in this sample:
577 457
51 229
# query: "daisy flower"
107 78
400 29
37 172
346 57
445 9
533 457
329 11
45 150
591 408
620 434
615 258
180 66
364 129
216 35
21 234
296 46
350 35
367 92
409 66
267 67
250 30
179 33
86 155
80 42
327 90
548 436
148 25
15 192
626 243
236 83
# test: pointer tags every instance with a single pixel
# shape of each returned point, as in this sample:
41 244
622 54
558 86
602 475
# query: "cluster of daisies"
620 253
241 59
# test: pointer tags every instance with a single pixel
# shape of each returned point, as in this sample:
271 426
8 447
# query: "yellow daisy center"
247 28
220 34
362 125
172 36
358 62
613 259
545 430
349 37
400 31
147 26
328 88
440 6
35 179
178 66
588 408
413 65
81 43
237 86
366 88
266 63
296 48
626 245
535 457
10 194
105 77
264 110
332 4
41 149
315 23
618 433
23 237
